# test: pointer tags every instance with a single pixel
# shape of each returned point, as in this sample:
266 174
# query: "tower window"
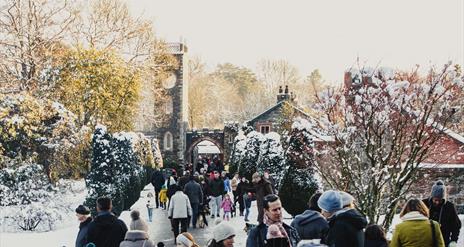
168 141
169 106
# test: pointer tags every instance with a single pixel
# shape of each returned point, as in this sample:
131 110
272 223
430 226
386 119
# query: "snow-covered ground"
67 231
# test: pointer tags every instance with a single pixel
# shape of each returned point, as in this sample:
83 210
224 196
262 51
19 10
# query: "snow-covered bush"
300 181
42 131
238 151
116 169
249 161
26 194
271 157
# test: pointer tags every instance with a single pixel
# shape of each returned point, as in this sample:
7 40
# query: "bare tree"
31 32
108 24
384 125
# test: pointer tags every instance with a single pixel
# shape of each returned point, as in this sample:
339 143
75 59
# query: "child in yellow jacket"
163 197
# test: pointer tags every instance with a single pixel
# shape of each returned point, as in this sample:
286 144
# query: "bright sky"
328 35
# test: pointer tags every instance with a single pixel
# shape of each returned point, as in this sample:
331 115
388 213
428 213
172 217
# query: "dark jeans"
183 225
195 207
157 200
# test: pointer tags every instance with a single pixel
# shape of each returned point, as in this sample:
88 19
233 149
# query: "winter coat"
262 188
106 230
416 230
183 181
157 180
448 219
179 206
217 187
311 225
163 195
227 187
171 190
346 229
139 224
194 192
375 243
257 236
137 239
226 205
81 239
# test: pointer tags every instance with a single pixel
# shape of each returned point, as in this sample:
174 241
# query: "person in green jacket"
416 229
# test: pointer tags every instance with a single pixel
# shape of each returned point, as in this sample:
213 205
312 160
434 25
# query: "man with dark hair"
284 235
444 212
216 186
311 224
106 230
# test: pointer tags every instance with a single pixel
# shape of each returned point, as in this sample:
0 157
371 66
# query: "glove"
453 244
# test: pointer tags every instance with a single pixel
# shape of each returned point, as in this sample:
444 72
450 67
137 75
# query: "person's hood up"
414 215
352 216
135 235
307 217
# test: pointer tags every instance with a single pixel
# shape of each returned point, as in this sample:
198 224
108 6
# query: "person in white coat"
179 211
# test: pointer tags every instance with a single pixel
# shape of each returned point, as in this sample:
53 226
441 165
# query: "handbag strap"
434 238
144 241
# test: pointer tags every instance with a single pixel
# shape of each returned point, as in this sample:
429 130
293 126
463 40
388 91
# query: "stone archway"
195 137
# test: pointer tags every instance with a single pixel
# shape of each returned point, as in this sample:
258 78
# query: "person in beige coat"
179 211
137 223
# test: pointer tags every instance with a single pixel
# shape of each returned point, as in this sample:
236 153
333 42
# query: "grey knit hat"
438 190
222 231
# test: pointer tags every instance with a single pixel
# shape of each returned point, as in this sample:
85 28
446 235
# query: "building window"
167 141
168 107
264 129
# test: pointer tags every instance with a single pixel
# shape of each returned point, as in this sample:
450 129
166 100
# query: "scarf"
280 226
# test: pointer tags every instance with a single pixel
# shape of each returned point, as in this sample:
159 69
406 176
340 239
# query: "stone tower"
171 135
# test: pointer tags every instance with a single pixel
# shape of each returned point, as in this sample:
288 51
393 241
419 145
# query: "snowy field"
66 232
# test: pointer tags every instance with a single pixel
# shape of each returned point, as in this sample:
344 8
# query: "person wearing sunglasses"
281 232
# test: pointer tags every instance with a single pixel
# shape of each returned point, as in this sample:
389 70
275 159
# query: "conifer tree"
300 181
272 157
249 162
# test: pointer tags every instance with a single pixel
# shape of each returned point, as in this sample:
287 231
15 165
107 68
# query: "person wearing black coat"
242 188
106 230
443 212
311 224
195 194
346 229
345 224
157 180
262 187
259 236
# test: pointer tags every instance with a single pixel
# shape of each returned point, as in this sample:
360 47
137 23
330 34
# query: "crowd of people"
330 220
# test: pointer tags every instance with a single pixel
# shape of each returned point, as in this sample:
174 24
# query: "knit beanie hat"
439 190
81 209
330 201
347 199
222 231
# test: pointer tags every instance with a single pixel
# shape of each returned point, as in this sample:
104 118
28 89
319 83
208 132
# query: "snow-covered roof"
454 135
445 166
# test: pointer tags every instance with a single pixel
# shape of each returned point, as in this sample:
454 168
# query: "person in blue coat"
83 215
311 224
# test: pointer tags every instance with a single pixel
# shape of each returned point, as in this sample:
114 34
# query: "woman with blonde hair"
186 239
416 230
